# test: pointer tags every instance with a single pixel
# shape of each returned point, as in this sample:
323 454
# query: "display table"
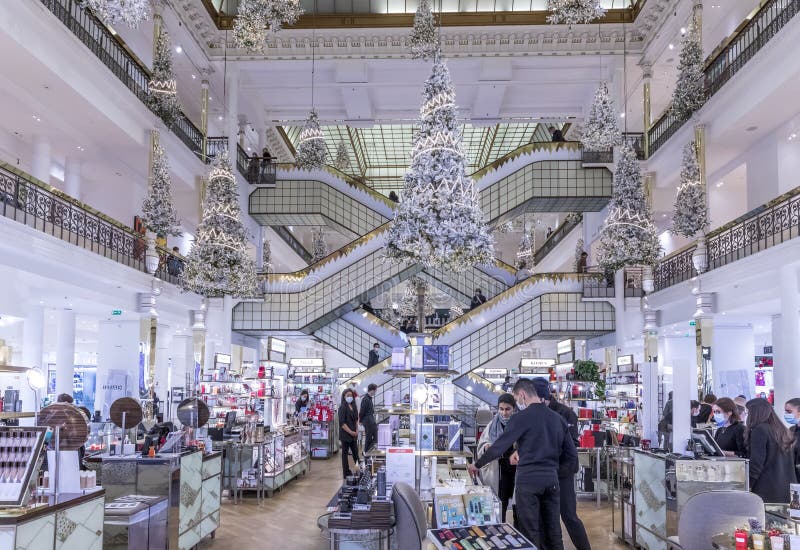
366 537
50 522
191 480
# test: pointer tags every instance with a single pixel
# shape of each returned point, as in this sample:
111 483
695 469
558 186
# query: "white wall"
732 361
118 351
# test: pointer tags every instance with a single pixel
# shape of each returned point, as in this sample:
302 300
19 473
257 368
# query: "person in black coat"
730 430
566 478
348 429
791 414
366 415
771 453
477 299
705 409
374 356
556 134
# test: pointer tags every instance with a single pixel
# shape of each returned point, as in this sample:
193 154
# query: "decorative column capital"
647 70
705 305
650 321
198 319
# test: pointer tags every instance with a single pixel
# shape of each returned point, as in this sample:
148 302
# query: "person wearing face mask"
791 414
302 403
544 445
366 415
730 430
348 430
771 452
695 412
500 475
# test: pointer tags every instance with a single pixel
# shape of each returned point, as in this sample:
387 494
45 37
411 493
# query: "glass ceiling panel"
379 155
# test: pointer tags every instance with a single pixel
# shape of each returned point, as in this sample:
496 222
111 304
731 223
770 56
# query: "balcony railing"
214 146
740 49
257 170
597 284
764 227
109 49
635 139
32 203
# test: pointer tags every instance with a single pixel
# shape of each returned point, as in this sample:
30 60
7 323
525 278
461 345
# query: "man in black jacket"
374 358
544 444
367 417
566 480
477 299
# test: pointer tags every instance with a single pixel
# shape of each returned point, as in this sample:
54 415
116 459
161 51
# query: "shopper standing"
771 452
477 299
500 476
791 414
348 430
665 424
543 443
374 356
566 480
705 408
730 430
366 415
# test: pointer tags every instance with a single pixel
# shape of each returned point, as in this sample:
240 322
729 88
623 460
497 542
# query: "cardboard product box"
425 437
384 435
455 437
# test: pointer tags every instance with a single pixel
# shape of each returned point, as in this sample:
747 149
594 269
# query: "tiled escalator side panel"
465 283
351 340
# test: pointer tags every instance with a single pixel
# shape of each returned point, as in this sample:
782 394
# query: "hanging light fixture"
574 12
130 12
255 18
311 149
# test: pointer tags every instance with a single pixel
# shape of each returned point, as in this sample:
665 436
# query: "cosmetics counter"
311 375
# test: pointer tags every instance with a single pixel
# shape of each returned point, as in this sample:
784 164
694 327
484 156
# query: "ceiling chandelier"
257 17
574 12
311 149
130 12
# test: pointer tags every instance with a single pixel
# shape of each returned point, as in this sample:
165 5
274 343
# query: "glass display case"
20 456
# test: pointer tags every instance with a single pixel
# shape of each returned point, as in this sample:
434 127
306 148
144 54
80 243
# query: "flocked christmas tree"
628 236
410 302
439 222
266 256
574 12
163 92
424 40
691 207
158 211
255 17
130 12
342 161
319 248
601 131
525 249
578 252
218 262
689 94
311 150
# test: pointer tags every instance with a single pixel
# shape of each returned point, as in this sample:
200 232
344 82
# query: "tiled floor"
289 519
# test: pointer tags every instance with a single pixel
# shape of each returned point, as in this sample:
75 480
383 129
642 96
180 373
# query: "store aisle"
289 519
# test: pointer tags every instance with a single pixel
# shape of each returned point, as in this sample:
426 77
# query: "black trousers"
569 514
347 447
538 512
370 435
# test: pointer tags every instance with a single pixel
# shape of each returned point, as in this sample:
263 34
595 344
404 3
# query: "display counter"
191 481
663 484
48 522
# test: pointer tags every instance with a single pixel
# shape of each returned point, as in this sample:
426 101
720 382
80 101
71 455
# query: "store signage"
537 363
307 362
222 358
116 312
565 346
625 360
692 323
278 346
767 350
495 372
706 351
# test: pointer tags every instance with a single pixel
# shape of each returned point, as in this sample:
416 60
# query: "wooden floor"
288 520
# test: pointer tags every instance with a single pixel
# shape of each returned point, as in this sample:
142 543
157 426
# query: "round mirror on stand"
73 426
193 412
126 413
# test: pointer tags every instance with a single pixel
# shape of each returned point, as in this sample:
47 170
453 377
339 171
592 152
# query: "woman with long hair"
730 430
500 474
348 430
791 414
771 453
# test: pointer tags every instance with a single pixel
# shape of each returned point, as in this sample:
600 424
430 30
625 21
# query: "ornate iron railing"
633 282
30 202
729 59
635 139
570 222
242 160
261 171
764 227
112 52
214 146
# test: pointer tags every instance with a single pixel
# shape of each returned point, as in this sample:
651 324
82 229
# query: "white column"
72 177
117 363
732 361
33 338
40 167
164 366
65 351
786 339
227 310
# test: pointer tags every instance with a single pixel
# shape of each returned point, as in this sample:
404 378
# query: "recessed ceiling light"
178 49
683 30
219 117
622 115
720 184
792 136
36 118
194 76
663 215
210 98
248 149
671 47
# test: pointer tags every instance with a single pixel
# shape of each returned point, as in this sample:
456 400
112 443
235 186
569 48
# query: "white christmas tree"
439 222
574 12
525 249
218 262
691 208
163 90
689 94
266 255
342 161
311 151
578 252
424 41
628 236
255 17
158 211
319 248
601 131
130 12
410 301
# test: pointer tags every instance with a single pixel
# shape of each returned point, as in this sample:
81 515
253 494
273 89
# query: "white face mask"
349 399
521 406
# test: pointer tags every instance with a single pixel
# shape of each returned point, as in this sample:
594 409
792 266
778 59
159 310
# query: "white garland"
311 150
255 18
424 40
158 211
219 262
691 207
319 248
163 88
601 131
629 236
574 12
505 227
689 94
130 12
342 161
439 223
